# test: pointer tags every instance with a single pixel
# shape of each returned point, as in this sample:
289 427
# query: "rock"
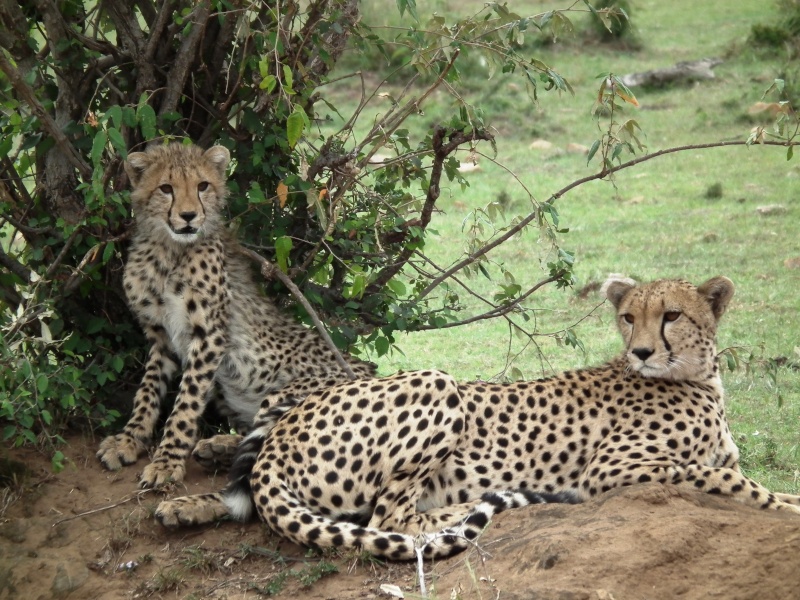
541 145
573 148
771 209
792 263
68 578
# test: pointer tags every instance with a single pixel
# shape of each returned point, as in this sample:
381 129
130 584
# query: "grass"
690 214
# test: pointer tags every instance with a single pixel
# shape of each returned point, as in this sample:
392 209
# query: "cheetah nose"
188 216
642 353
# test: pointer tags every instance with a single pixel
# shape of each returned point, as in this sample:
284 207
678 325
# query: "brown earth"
646 542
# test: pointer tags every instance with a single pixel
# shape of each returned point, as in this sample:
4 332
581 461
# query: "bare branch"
186 57
132 39
15 267
14 33
269 271
29 97
441 150
578 182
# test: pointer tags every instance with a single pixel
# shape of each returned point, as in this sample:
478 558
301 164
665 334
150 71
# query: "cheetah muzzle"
419 461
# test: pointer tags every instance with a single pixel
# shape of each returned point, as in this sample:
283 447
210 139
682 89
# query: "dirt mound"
642 542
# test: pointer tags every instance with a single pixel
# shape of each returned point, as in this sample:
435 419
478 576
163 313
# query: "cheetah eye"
671 316
202 186
166 188
628 319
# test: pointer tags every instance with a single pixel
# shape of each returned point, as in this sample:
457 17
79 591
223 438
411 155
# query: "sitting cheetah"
419 462
192 291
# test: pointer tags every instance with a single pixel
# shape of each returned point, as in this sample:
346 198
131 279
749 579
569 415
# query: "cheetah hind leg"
788 499
217 452
197 509
712 480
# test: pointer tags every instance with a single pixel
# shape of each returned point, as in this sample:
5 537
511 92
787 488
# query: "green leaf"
98 145
398 287
42 383
593 151
288 79
114 114
382 345
255 194
57 461
129 116
147 120
108 252
5 146
408 5
789 152
116 139
268 83
359 284
283 246
295 125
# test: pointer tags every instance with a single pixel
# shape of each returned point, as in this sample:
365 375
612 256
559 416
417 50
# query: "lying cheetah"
416 460
193 293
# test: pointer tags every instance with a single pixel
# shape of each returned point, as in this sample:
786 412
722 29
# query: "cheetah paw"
191 510
120 450
786 507
216 453
161 472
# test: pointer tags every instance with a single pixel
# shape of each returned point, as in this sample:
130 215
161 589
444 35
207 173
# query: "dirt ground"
60 539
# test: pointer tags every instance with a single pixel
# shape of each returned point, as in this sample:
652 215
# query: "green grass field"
654 221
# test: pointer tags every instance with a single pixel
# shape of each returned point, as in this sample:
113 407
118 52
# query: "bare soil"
645 542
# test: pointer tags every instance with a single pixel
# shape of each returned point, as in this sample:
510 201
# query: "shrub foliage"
82 83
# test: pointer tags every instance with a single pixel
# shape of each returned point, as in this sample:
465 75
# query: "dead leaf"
283 193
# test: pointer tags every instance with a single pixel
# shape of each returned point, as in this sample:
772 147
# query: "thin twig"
269 270
133 496
499 310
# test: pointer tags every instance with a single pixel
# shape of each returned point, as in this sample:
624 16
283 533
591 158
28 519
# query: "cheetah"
192 291
417 462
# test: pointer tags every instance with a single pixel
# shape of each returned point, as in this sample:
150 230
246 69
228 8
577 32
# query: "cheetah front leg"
712 480
126 447
198 509
208 326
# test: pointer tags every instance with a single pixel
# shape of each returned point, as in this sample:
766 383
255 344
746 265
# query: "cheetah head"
669 325
179 189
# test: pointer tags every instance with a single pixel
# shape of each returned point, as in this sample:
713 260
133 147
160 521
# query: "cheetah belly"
176 324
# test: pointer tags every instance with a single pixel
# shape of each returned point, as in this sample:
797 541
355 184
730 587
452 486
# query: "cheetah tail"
455 539
300 524
237 495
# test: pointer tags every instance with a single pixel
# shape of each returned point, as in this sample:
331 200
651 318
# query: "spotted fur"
418 462
202 312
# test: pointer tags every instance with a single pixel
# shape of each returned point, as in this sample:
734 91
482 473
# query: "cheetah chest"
176 292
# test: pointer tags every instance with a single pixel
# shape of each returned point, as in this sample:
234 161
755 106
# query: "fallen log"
681 73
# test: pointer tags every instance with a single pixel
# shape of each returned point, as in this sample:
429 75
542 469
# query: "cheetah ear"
136 164
219 157
616 287
718 291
